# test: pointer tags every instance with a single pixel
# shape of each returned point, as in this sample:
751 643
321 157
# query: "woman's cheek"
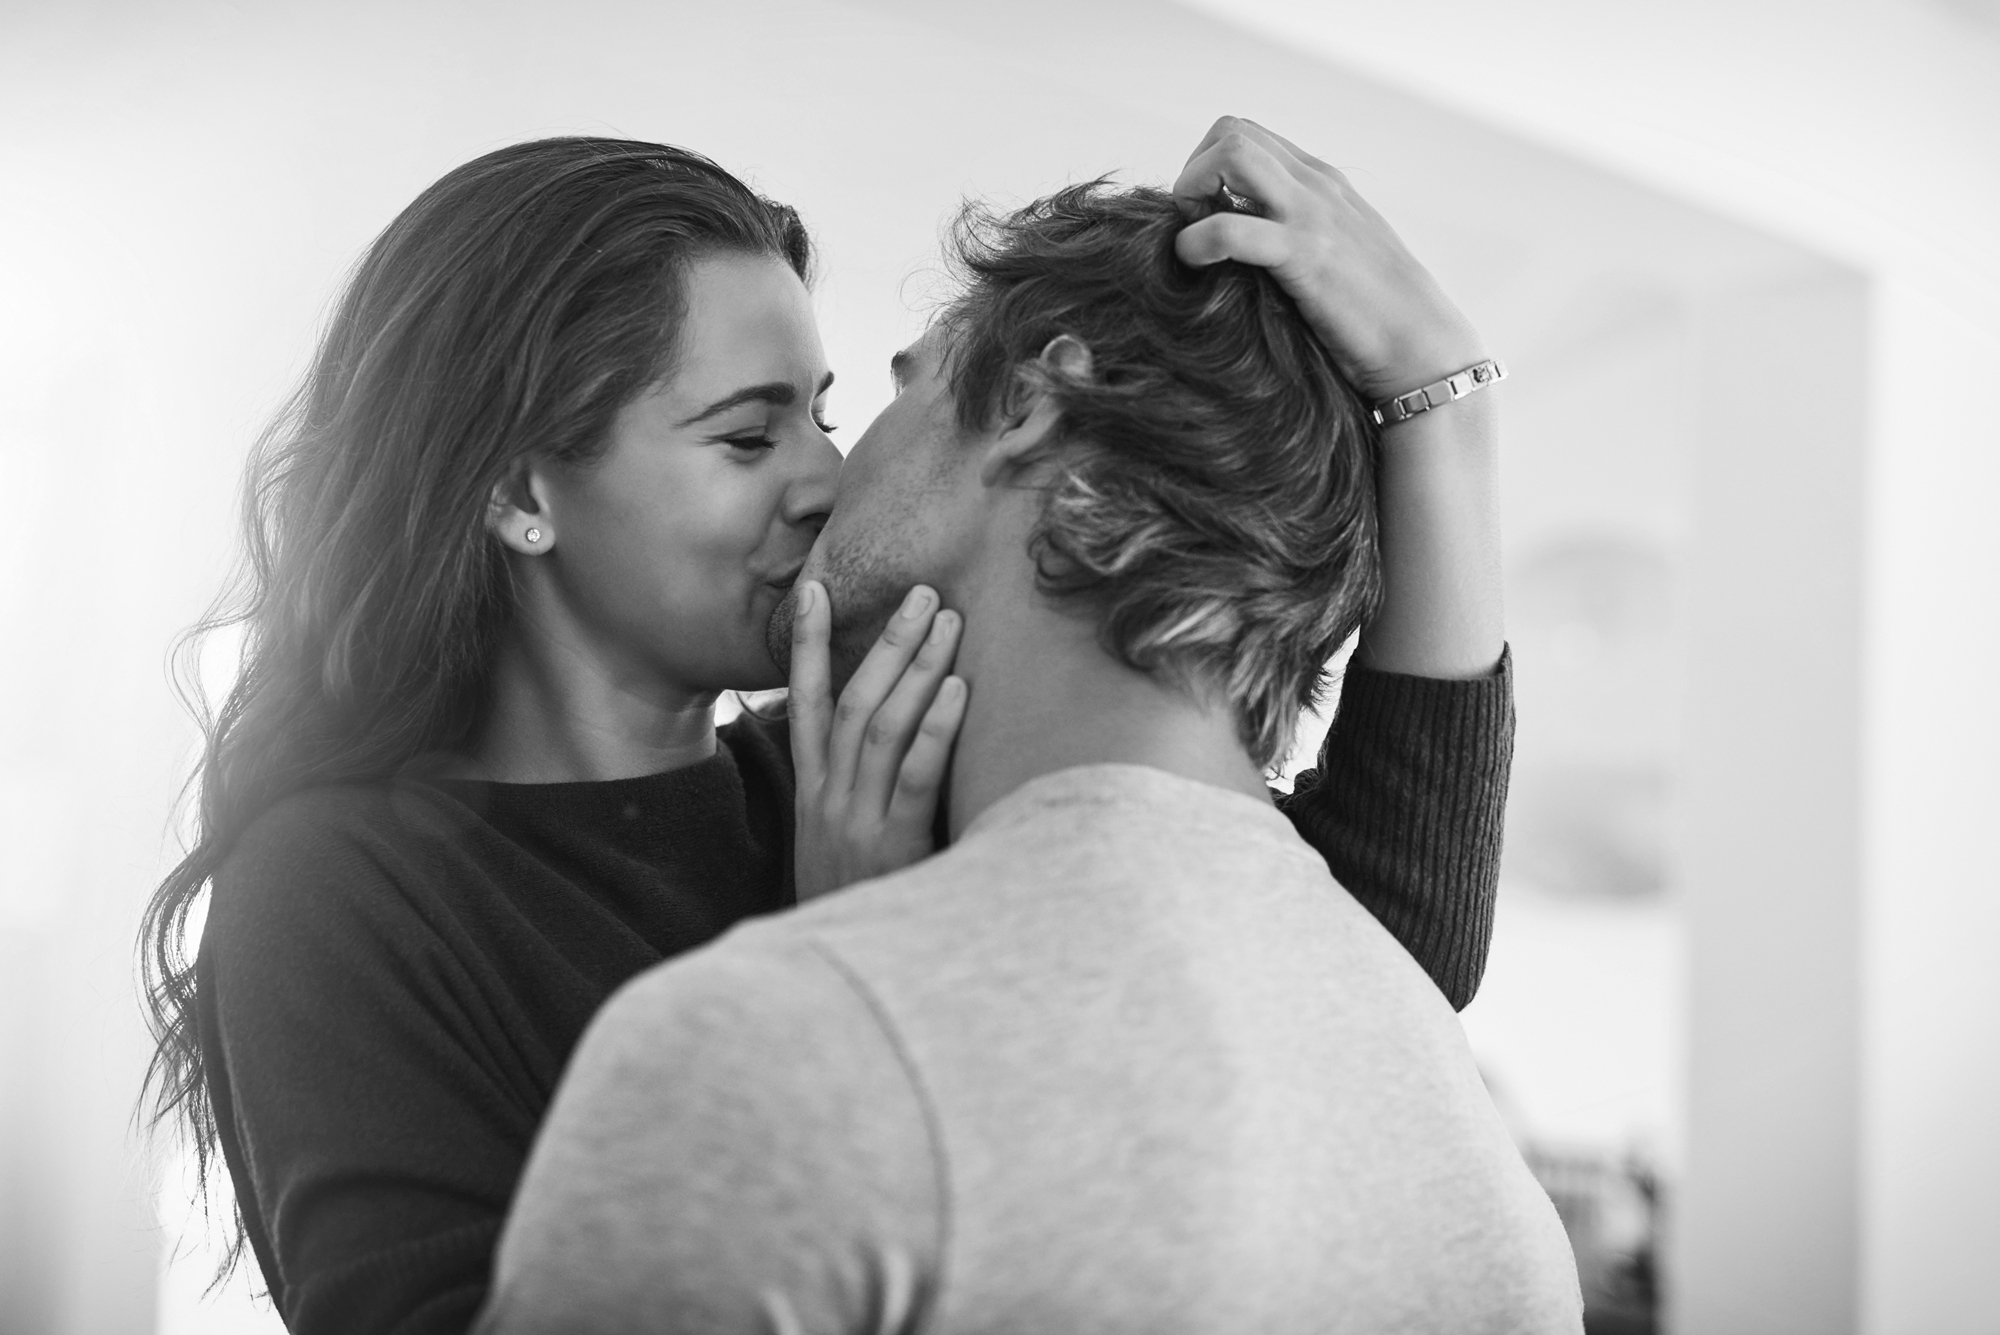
723 553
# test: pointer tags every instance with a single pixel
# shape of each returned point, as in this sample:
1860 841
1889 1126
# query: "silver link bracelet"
1448 390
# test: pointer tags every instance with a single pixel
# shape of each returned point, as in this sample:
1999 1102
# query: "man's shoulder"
1140 827
1095 872
1134 803
947 885
750 1086
757 968
766 985
1102 827
768 1018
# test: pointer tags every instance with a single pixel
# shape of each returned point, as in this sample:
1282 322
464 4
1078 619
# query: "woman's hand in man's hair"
871 768
1388 324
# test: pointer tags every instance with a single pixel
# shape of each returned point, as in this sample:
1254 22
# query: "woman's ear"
518 512
1031 423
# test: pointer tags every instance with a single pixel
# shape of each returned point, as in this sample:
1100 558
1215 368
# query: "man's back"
1124 1059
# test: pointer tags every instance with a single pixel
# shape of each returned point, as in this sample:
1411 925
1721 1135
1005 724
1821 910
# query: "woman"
557 460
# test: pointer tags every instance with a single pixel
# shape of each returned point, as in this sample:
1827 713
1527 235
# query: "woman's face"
669 551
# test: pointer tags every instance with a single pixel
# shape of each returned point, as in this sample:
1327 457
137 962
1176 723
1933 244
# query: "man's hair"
1213 492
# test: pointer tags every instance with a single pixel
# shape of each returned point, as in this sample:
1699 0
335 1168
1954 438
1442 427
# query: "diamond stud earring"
534 535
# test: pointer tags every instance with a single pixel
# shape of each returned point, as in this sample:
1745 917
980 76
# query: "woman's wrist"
1437 497
1424 356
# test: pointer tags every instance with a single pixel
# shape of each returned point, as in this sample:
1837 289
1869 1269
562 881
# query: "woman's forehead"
747 321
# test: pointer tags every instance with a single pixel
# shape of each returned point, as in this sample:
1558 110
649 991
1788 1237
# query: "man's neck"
1045 697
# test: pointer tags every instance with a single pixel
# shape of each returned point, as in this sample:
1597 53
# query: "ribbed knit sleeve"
1407 806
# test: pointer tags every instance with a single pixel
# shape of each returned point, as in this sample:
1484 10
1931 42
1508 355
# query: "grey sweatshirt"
1124 1058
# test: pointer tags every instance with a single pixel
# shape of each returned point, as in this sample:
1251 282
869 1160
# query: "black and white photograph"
915 667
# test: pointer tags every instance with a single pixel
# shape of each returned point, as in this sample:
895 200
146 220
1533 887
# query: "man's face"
899 515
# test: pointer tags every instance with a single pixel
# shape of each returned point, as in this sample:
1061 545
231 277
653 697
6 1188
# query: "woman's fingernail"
941 628
918 603
805 602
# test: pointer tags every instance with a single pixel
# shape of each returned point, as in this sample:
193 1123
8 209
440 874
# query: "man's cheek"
845 662
863 601
854 635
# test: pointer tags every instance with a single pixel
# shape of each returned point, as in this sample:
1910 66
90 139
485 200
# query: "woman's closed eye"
757 442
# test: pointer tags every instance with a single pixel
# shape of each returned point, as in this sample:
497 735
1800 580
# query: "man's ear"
1033 420
518 512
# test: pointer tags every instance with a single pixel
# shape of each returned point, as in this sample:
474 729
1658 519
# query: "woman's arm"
1408 798
1390 328
1406 805
1437 501
373 1123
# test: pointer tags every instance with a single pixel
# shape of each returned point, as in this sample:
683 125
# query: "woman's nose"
810 497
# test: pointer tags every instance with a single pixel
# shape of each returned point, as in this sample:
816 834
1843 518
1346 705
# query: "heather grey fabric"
1124 1058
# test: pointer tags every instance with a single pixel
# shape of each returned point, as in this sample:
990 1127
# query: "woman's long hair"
505 316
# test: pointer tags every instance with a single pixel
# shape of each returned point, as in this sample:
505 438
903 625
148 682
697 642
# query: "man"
1124 1057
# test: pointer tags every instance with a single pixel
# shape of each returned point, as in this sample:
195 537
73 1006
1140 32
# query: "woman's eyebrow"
776 393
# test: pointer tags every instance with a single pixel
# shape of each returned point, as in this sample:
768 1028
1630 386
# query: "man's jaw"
851 641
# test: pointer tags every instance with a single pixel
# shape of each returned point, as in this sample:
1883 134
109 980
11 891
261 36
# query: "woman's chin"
778 633
767 677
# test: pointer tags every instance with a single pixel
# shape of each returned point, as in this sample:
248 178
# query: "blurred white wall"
1608 192
1865 130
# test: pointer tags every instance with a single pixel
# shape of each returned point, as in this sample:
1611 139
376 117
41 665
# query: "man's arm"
736 1147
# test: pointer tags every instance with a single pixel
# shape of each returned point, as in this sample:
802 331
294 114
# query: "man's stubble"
864 595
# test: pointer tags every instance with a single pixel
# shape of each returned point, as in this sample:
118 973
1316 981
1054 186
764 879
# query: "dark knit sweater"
393 976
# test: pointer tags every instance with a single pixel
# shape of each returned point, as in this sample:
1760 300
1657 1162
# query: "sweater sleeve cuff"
1468 719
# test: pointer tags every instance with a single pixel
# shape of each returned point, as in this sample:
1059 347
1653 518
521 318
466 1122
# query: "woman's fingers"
1304 164
1222 126
1308 169
888 736
811 701
886 743
920 778
874 680
1295 196
1247 167
1194 200
1379 313
1233 236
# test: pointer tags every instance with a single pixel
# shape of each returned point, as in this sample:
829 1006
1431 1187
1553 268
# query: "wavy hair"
1214 474
505 316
